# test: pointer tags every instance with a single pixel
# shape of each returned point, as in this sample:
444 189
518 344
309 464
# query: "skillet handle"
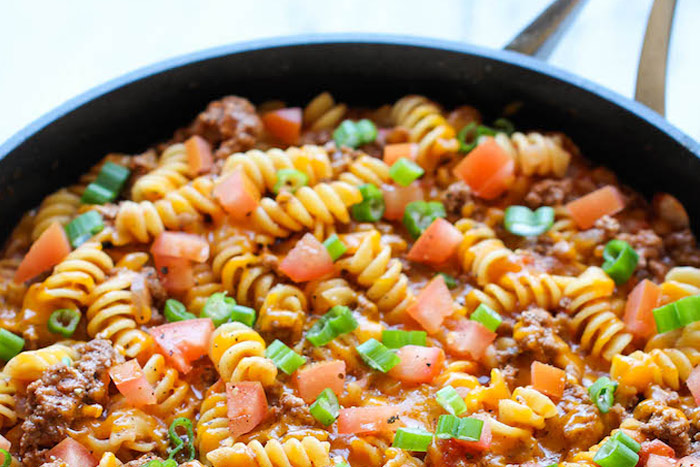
541 35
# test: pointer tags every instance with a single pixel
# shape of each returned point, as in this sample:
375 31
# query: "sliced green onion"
447 426
219 308
504 125
372 206
602 393
469 429
336 248
83 227
325 408
367 131
522 221
450 281
338 321
113 177
615 454
64 322
96 194
243 314
354 134
553 465
290 179
10 344
405 171
6 458
284 358
468 136
176 311
625 439
158 463
412 439
418 216
341 464
395 339
667 318
377 356
620 260
688 310
178 442
486 316
450 400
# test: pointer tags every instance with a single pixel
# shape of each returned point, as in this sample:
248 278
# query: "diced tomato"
418 364
655 460
639 318
308 260
47 251
591 207
433 305
183 342
396 198
471 338
484 441
176 274
487 169
369 419
199 156
284 124
132 383
394 152
548 379
688 461
181 245
237 194
655 448
5 443
693 383
437 244
247 406
72 453
312 379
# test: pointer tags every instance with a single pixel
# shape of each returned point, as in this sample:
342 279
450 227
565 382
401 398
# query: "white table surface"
52 50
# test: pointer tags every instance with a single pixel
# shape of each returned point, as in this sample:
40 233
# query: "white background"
52 50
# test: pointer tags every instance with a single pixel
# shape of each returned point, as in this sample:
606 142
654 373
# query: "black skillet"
132 112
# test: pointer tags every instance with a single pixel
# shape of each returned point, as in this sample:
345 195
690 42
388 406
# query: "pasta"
330 286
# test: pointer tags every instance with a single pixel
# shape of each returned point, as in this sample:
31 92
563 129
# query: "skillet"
136 110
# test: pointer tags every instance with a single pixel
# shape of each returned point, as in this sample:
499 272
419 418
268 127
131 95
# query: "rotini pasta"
238 353
322 112
172 172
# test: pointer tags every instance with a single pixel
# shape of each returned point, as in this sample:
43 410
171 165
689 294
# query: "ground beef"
682 249
646 243
455 197
549 192
231 123
295 410
536 335
143 163
62 395
158 293
608 224
669 425
317 137
580 423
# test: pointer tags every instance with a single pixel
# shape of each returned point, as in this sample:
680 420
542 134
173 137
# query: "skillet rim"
507 57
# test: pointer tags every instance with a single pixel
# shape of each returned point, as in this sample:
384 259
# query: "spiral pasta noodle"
284 307
174 397
518 291
482 254
325 204
8 412
366 169
427 127
190 205
326 294
29 365
238 353
536 154
262 167
601 331
60 207
212 426
322 112
205 284
172 172
307 452
113 315
74 278
373 267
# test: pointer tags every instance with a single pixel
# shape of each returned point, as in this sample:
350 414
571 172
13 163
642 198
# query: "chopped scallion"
284 358
412 439
451 401
486 316
83 227
395 339
377 356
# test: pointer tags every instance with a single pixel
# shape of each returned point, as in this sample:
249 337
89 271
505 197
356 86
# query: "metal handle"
541 35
